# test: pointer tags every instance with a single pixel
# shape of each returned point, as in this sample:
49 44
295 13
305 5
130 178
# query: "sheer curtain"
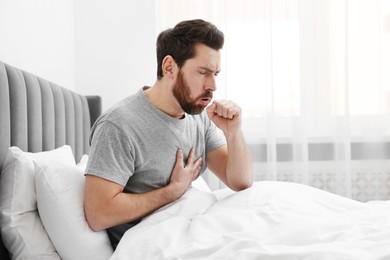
313 79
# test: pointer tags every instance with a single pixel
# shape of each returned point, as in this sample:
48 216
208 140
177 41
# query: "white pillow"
60 195
82 164
21 228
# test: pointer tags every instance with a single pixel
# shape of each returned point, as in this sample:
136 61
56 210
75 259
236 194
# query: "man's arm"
106 205
231 163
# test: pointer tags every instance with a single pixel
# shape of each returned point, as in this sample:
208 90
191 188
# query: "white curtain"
313 79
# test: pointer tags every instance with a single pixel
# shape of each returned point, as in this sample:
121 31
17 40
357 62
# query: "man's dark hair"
180 41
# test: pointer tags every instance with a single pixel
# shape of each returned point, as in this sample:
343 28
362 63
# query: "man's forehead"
207 58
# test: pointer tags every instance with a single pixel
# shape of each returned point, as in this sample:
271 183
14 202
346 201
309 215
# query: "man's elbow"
242 185
94 219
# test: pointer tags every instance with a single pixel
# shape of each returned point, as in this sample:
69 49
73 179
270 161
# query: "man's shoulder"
123 109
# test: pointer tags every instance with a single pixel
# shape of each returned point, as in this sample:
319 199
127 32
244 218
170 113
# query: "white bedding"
271 220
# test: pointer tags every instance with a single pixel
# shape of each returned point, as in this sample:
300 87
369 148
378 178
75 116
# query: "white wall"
114 47
95 47
37 36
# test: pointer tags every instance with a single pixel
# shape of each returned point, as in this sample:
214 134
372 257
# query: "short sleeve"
111 154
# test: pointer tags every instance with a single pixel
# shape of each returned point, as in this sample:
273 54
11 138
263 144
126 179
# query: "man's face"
195 91
182 92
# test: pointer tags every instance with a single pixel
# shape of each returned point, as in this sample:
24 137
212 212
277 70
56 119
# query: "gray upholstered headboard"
37 115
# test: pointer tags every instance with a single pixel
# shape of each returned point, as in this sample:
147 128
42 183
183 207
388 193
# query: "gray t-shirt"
134 144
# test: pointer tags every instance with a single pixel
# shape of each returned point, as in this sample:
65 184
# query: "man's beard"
182 93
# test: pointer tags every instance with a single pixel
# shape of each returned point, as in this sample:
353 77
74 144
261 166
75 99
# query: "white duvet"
271 220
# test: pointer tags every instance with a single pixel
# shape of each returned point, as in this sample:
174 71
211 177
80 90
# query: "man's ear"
169 67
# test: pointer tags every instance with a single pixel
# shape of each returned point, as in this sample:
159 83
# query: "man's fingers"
223 108
211 110
191 157
179 158
198 162
197 167
193 166
228 111
232 112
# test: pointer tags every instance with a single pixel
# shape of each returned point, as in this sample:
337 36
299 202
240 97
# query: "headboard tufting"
37 115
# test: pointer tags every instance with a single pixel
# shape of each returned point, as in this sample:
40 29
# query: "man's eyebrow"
209 70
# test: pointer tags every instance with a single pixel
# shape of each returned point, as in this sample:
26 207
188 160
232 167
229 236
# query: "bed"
44 134
35 116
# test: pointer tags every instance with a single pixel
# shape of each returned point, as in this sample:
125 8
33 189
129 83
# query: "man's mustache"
207 94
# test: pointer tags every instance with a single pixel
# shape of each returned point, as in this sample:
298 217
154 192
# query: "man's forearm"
239 171
135 206
234 164
125 207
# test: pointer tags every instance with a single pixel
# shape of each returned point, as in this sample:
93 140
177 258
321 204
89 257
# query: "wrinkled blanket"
271 220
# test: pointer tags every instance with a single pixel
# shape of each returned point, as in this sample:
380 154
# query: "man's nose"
211 84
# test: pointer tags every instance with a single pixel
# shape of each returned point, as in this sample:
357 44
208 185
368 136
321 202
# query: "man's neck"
161 96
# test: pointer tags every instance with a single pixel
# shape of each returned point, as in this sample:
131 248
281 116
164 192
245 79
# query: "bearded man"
147 149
